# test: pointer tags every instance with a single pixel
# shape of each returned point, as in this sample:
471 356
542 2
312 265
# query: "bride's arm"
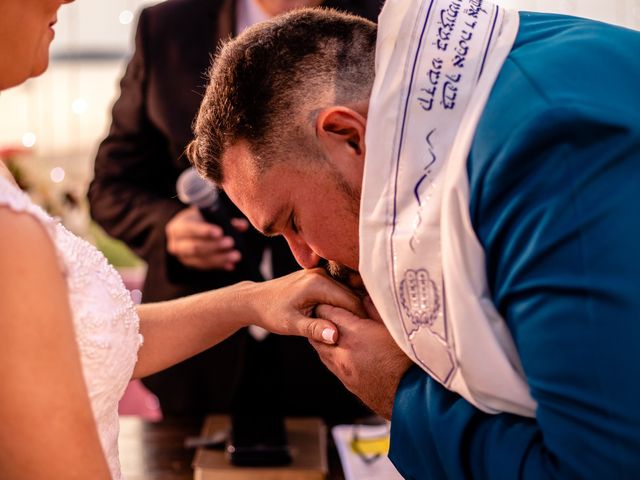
178 329
48 430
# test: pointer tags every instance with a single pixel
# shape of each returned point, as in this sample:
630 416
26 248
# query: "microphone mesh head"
194 190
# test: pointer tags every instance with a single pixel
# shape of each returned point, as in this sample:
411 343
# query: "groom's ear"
340 130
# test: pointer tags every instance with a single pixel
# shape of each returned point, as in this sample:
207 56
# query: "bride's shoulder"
13 199
6 174
22 232
26 228
10 193
30 267
41 365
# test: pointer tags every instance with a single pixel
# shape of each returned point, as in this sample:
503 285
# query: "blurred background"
50 127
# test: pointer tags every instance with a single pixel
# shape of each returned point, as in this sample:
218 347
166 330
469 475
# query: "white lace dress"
106 323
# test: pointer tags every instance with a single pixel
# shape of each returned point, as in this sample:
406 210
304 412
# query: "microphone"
194 190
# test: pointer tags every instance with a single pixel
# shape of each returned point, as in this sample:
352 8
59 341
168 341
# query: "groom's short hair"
270 82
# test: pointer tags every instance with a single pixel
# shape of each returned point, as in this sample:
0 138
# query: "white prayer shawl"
436 62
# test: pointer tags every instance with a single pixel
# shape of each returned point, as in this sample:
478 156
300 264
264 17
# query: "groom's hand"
366 359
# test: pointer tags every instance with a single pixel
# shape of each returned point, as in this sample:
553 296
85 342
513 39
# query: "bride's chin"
40 61
40 66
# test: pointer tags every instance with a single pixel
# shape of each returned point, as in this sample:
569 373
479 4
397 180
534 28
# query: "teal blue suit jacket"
554 174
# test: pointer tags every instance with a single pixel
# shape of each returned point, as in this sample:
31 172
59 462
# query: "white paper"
354 467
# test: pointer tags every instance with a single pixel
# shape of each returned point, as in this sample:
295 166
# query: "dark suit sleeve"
556 211
133 193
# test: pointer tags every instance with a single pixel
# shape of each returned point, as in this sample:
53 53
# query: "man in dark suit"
133 196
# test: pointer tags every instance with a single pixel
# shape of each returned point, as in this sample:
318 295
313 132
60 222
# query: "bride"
71 337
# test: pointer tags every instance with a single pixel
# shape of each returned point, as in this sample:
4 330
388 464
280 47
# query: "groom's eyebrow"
269 228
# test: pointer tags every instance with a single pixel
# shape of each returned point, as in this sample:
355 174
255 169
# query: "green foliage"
118 254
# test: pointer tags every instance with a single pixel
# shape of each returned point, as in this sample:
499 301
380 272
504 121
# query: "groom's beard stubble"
346 276
341 273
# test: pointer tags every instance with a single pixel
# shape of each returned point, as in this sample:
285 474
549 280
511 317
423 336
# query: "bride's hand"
287 305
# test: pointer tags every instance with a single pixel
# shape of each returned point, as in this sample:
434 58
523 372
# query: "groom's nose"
302 252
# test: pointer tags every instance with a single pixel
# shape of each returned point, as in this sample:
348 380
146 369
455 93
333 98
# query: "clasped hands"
347 333
366 359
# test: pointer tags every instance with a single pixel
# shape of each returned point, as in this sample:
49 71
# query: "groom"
484 181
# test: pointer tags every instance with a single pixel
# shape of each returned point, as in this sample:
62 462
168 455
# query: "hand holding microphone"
202 236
